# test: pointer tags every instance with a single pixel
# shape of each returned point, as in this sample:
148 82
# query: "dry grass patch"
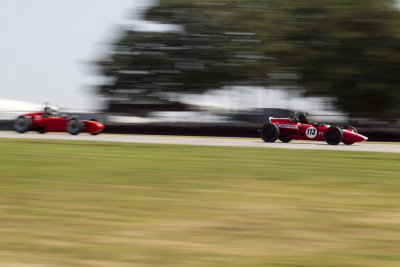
114 204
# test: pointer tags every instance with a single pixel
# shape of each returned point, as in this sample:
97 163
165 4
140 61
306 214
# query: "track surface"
206 141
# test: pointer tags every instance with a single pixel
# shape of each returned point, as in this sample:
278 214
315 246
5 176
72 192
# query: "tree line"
348 50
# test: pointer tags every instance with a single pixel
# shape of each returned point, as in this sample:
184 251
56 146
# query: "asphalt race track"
206 141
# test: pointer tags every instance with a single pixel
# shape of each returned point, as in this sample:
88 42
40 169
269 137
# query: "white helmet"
51 110
54 110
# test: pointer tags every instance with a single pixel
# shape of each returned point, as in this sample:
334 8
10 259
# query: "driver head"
55 109
303 118
47 110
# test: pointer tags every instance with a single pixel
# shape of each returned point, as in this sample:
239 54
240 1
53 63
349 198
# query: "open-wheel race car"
297 127
50 121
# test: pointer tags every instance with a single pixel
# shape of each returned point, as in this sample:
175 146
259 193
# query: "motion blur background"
148 62
199 68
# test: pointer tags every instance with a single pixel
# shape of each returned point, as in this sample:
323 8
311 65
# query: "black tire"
285 139
352 128
97 121
41 130
269 132
333 135
22 124
74 126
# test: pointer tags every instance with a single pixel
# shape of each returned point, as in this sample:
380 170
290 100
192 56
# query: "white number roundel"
311 132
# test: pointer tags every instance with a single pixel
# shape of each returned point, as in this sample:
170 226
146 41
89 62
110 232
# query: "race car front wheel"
333 135
22 124
269 132
41 130
74 126
96 133
354 130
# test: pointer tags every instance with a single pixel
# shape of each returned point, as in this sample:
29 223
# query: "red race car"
297 127
50 121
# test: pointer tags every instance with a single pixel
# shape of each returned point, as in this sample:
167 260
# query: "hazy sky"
46 46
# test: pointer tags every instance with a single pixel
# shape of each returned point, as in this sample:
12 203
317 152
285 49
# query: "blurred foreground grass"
113 204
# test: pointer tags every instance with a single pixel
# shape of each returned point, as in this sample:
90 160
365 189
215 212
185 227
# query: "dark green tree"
348 50
205 54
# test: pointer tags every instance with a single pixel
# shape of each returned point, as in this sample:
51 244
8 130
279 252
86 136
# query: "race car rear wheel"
352 128
22 124
269 132
333 135
74 126
285 139
97 121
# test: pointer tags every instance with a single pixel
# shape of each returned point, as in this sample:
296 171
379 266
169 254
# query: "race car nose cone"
100 126
360 138
353 137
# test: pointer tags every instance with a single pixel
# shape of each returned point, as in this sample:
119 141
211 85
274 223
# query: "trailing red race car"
297 127
50 121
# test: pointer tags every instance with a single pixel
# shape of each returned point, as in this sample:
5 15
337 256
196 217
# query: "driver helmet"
51 111
54 111
303 118
47 110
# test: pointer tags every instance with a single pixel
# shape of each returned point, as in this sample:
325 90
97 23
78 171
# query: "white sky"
46 46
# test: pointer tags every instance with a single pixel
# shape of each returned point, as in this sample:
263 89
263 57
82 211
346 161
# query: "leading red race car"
50 121
297 127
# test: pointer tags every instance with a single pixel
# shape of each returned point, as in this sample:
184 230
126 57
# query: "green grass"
114 204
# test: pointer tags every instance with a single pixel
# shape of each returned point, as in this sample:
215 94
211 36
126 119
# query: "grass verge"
82 203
